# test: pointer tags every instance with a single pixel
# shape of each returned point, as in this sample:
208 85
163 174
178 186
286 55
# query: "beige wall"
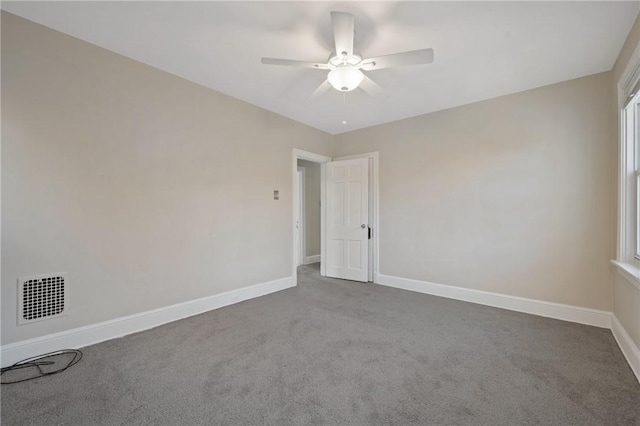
312 207
512 195
151 190
148 189
627 50
627 307
627 296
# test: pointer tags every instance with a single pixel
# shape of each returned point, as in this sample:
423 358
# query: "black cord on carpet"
38 362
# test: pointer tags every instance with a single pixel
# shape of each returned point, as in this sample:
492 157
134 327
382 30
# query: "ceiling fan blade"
343 30
414 57
321 90
292 63
372 88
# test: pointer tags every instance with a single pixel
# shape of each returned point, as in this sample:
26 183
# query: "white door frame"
374 211
299 154
302 230
374 266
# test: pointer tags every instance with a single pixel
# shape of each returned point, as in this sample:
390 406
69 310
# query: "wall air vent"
42 297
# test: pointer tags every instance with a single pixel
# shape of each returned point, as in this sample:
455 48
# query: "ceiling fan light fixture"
345 66
345 79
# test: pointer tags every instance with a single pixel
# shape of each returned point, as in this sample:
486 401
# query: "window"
628 253
635 176
628 256
629 239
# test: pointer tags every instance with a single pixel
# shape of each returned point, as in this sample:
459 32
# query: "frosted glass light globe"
345 79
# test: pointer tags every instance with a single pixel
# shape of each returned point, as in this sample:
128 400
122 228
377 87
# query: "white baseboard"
95 333
312 259
629 349
530 306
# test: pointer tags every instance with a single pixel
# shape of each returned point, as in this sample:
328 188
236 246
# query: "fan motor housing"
337 60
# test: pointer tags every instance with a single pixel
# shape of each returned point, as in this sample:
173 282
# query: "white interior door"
347 248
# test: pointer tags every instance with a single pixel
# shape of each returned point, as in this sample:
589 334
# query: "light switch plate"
276 194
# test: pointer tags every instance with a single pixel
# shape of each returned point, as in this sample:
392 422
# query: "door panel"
355 248
354 214
335 255
347 254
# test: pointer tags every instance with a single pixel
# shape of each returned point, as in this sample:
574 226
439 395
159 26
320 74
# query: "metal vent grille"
42 297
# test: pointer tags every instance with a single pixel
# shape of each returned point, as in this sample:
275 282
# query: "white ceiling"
482 49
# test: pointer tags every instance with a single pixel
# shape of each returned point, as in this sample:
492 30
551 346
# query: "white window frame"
629 247
632 141
628 250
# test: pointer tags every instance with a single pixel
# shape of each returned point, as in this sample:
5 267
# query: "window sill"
629 271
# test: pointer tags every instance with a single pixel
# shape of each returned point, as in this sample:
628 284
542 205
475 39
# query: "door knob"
363 226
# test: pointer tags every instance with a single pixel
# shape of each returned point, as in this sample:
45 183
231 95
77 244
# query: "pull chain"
344 107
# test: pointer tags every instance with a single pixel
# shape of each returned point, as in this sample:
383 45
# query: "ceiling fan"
346 67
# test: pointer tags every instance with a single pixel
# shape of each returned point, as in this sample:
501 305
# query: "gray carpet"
339 352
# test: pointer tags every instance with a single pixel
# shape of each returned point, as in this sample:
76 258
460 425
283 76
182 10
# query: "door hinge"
370 232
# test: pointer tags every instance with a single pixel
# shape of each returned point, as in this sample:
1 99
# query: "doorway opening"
341 251
306 165
308 212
